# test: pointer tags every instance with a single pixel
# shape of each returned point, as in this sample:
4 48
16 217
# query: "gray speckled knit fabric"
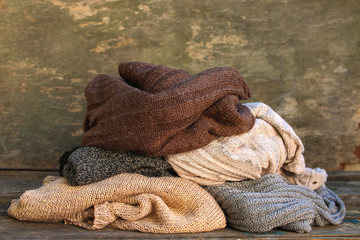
87 165
271 201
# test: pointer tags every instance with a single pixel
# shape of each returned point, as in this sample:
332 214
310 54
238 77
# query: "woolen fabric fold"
156 110
271 146
125 201
272 201
87 165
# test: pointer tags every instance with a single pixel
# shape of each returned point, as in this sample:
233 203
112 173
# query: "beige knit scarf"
271 146
125 201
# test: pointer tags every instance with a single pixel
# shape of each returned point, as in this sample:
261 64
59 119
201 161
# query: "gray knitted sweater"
271 201
87 165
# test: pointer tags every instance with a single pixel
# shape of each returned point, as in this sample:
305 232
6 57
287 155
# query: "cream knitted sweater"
125 201
270 147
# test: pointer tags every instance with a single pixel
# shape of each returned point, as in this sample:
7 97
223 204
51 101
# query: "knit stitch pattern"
125 201
271 201
87 165
156 110
271 146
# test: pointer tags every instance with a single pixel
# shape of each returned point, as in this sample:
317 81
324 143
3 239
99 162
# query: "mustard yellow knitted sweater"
125 201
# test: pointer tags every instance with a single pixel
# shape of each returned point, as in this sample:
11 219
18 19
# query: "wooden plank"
343 176
11 228
15 183
18 181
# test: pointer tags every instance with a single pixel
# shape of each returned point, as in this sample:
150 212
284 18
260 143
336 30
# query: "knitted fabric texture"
125 201
91 164
64 159
156 110
271 201
271 146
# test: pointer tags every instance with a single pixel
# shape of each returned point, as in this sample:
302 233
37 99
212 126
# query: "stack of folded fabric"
165 151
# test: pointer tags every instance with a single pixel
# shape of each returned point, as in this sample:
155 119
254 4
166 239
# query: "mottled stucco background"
301 57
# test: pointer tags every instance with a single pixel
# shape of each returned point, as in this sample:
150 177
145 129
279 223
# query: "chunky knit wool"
125 201
64 159
156 110
271 201
271 146
91 164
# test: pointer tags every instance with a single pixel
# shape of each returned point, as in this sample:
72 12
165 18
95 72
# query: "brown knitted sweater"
156 110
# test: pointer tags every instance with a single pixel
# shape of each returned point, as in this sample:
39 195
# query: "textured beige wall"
301 57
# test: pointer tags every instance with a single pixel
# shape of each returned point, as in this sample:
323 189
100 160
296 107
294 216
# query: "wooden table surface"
14 183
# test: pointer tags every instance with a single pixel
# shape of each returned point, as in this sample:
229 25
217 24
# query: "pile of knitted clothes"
164 151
